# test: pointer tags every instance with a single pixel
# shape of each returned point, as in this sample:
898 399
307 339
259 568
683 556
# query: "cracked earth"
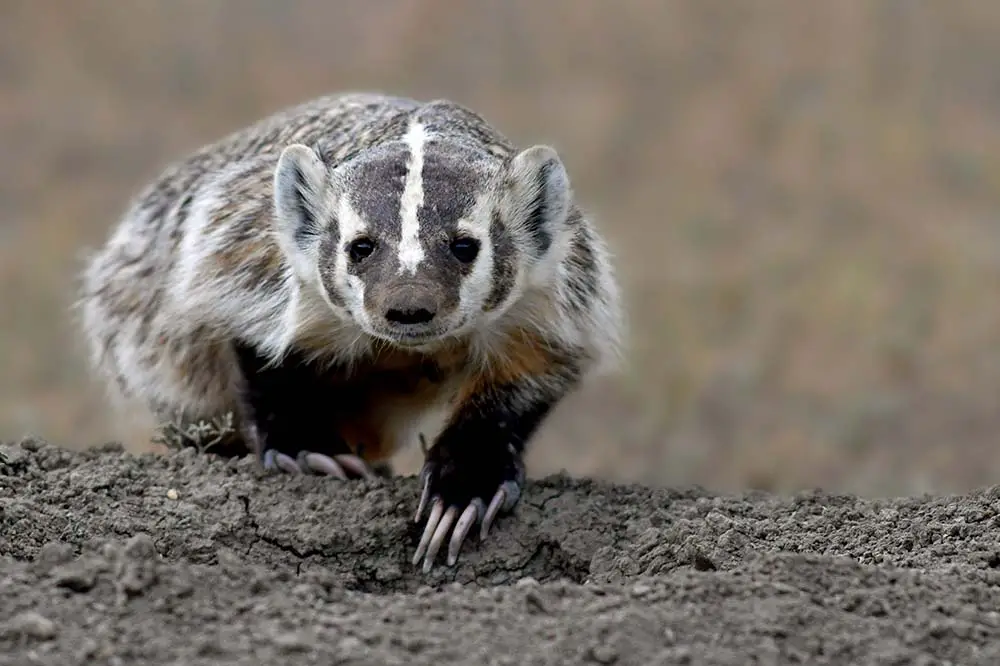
112 558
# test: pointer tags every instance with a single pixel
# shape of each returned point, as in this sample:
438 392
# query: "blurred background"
804 199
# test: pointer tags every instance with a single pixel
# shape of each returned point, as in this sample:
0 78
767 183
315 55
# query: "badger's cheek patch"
354 292
328 267
504 258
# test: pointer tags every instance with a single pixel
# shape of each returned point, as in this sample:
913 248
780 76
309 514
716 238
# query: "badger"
343 273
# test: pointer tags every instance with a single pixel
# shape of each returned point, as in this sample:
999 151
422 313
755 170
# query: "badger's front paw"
342 466
285 457
463 492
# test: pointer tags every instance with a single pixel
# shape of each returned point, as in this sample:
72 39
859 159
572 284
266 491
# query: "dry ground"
107 558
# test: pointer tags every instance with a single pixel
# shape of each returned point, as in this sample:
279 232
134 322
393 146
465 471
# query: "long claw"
491 512
437 508
439 535
425 495
503 500
275 461
465 522
352 463
323 464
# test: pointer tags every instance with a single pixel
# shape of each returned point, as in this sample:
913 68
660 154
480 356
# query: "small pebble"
12 456
349 644
171 494
603 654
136 578
31 444
109 550
53 553
31 624
536 603
141 546
291 642
302 591
640 590
77 577
109 447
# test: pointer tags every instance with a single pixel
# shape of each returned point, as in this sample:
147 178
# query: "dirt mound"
200 560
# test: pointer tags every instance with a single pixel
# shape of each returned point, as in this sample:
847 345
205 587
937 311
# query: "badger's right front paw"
462 492
343 466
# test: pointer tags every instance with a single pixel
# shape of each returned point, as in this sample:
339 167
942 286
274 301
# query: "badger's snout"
411 313
411 306
411 310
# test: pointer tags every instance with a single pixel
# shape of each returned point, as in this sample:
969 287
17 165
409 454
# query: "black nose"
409 315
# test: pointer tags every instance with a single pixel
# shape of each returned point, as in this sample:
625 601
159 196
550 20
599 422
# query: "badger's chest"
390 399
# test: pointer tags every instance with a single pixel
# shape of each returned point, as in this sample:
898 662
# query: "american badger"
346 270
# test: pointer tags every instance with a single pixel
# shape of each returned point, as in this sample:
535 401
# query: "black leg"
475 470
289 418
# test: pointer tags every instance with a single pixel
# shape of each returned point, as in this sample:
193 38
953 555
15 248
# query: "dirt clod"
77 577
96 562
31 625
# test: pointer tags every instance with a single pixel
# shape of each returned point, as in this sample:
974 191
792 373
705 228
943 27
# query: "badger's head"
424 238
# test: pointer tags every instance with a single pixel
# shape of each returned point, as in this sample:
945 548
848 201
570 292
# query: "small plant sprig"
203 435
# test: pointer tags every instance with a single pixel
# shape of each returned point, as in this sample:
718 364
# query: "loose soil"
112 558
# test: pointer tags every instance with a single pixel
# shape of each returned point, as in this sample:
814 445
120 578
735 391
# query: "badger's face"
422 239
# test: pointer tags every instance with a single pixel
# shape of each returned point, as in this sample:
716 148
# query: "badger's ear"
539 195
299 182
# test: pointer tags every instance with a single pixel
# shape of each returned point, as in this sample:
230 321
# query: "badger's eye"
465 249
360 248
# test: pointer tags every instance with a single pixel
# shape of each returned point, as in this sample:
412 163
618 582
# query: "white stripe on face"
410 251
351 287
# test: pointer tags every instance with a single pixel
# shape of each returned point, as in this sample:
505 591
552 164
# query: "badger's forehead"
419 184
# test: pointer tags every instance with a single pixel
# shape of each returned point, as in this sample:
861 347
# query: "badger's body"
345 269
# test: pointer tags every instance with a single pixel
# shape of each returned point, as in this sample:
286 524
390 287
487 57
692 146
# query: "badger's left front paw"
463 492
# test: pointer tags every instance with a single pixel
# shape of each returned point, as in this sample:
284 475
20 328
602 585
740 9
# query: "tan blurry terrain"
804 199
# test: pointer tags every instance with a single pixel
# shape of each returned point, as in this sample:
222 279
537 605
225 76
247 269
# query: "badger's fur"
380 259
